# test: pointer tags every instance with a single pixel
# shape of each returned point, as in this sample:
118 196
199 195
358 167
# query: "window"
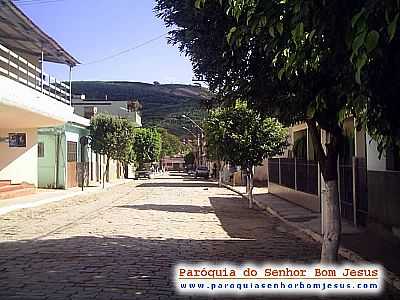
72 154
16 140
40 149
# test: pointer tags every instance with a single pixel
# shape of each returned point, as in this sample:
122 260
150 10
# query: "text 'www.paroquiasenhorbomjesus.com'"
278 279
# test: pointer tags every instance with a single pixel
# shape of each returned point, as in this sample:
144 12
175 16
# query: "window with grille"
40 149
72 151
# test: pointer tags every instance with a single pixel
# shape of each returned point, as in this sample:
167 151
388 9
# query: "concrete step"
9 188
16 190
17 193
5 182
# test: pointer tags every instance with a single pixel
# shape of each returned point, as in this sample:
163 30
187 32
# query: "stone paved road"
123 243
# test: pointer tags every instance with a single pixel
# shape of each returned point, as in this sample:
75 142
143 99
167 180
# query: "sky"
93 29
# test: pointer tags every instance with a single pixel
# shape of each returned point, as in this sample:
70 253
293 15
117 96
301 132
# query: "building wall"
383 190
383 198
32 108
19 164
374 162
261 172
47 163
115 108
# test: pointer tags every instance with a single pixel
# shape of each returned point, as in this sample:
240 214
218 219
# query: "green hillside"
163 104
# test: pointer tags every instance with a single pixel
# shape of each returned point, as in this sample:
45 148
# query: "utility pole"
198 144
201 139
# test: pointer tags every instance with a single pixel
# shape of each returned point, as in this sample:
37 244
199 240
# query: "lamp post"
198 143
201 161
195 124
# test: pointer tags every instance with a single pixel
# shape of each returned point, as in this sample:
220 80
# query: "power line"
123 51
38 2
35 2
30 2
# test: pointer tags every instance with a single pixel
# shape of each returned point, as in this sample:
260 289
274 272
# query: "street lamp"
201 136
188 130
191 120
198 143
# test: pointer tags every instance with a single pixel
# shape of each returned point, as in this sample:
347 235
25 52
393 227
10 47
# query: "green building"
60 154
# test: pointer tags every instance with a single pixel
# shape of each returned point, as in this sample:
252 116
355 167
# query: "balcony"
21 70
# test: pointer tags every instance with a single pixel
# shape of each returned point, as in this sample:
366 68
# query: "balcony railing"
21 70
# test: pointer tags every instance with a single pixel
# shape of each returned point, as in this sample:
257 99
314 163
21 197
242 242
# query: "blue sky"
93 29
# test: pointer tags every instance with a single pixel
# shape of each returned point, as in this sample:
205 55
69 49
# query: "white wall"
29 108
373 161
115 108
261 172
19 164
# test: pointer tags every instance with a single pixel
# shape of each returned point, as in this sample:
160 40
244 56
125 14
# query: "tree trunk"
332 223
126 171
327 159
251 186
220 169
106 175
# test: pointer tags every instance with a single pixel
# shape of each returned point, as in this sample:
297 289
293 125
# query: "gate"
72 157
361 190
353 191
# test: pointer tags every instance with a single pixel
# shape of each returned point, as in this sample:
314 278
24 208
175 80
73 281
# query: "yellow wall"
19 164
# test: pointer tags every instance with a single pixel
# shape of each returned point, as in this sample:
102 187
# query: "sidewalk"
44 196
357 244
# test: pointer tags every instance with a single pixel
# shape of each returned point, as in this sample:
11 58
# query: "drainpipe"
70 85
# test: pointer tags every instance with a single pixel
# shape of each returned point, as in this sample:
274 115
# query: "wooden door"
72 157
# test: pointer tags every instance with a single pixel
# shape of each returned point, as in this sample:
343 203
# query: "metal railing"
300 175
21 70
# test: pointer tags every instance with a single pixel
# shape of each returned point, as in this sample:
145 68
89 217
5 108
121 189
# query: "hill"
163 104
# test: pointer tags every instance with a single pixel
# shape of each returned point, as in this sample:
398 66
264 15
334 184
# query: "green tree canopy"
112 136
190 158
242 136
311 61
170 143
147 145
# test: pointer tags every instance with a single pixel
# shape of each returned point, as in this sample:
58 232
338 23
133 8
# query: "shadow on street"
172 208
178 184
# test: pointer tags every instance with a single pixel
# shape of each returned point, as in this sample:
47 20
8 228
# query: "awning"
20 34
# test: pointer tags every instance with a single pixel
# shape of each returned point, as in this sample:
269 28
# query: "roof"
79 120
20 34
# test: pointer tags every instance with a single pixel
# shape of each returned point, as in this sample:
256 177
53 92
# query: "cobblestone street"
123 243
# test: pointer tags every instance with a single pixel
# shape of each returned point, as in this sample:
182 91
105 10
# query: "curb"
53 199
350 255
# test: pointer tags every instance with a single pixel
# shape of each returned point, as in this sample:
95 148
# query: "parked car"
202 172
142 174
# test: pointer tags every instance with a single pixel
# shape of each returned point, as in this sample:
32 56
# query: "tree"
242 136
113 137
134 106
170 143
147 146
311 61
374 54
189 159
